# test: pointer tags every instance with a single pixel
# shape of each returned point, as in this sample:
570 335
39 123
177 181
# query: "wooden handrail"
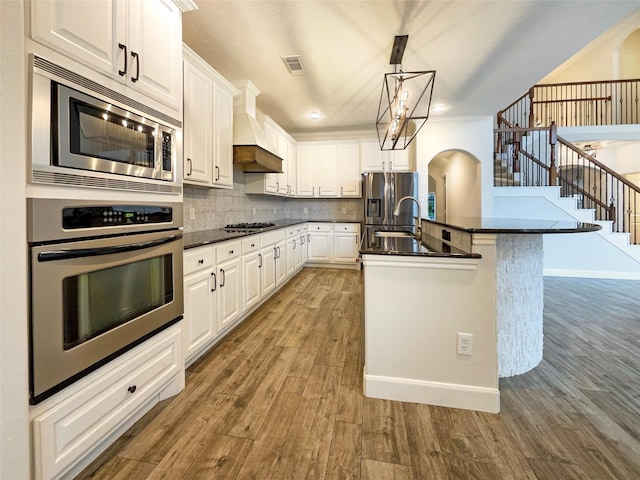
542 102
591 82
598 164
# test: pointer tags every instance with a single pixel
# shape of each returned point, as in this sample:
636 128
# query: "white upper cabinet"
375 160
208 124
349 172
135 42
327 169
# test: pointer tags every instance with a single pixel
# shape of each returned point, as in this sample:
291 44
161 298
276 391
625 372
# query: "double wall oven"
106 263
104 277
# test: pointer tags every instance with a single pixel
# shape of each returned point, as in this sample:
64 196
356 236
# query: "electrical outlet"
465 344
275 210
556 255
254 211
344 210
192 213
305 210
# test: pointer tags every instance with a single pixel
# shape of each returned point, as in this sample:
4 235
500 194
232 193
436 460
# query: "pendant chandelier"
404 101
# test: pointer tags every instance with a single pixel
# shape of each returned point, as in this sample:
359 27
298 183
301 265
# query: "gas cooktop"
249 226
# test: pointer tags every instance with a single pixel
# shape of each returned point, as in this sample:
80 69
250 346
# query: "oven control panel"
108 216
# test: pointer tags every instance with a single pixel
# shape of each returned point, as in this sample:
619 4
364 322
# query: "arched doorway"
456 180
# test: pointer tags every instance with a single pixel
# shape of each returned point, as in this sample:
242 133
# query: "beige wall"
14 402
600 59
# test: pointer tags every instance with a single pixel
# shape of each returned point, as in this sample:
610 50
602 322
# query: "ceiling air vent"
294 64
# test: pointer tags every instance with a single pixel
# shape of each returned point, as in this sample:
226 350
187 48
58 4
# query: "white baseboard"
433 393
558 272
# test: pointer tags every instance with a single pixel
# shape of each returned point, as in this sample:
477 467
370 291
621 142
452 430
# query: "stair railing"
609 102
536 156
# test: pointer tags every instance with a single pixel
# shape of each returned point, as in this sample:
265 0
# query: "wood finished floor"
280 398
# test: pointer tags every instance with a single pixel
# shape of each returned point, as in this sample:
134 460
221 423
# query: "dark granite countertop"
516 225
409 246
206 237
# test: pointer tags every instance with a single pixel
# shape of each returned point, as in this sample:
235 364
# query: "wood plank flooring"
280 398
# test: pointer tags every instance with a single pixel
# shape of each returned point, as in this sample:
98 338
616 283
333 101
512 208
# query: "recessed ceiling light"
314 115
438 108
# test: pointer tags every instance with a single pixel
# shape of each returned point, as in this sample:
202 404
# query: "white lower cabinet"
334 244
281 267
267 270
320 242
251 278
229 283
200 294
74 426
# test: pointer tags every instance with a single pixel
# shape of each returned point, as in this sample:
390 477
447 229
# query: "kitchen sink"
393 233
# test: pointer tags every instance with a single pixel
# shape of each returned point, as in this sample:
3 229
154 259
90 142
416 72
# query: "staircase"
529 153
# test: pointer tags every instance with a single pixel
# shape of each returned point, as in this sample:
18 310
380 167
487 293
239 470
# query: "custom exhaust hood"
251 150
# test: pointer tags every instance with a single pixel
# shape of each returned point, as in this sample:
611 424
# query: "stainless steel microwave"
84 134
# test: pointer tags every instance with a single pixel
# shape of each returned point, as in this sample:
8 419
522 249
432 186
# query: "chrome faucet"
418 226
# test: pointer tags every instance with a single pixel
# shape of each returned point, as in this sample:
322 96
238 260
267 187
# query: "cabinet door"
290 259
306 171
223 143
229 292
399 161
267 270
327 167
345 247
304 251
320 247
281 267
283 179
251 291
199 326
349 171
371 156
271 183
154 34
198 128
88 32
297 253
292 168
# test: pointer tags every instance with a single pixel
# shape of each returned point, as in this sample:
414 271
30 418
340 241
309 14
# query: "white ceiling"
485 53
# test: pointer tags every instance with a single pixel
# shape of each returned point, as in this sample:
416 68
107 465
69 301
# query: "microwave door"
97 136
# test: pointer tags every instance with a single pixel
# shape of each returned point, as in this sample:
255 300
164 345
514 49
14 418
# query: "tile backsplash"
217 207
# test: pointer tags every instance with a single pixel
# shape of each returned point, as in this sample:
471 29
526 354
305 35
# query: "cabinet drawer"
274 236
320 227
251 244
228 250
66 432
346 227
198 259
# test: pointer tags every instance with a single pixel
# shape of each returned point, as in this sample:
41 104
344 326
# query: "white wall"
473 135
14 427
587 255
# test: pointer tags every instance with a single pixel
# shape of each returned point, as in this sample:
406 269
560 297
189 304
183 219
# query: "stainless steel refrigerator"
381 193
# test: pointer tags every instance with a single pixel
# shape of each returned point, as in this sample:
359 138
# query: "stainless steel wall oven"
104 277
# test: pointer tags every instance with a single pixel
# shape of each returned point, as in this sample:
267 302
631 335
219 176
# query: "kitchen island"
457 310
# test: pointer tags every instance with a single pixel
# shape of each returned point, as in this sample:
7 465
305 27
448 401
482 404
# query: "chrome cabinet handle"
319 190
217 173
294 243
313 190
341 190
122 73
277 186
259 260
190 162
224 278
215 281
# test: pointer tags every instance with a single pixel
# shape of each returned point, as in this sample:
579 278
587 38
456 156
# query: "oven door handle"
94 252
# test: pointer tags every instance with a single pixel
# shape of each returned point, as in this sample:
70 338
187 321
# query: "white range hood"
251 150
